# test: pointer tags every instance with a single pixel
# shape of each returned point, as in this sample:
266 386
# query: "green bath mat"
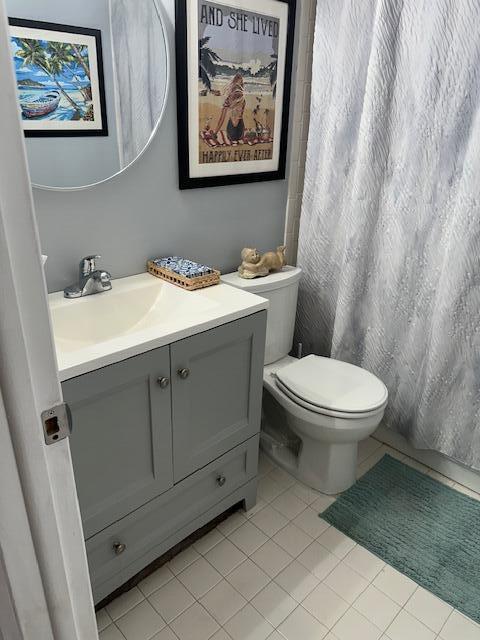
423 528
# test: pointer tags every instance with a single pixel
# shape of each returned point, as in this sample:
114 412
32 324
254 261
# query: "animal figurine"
254 264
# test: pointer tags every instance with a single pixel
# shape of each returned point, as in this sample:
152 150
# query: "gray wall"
52 160
141 214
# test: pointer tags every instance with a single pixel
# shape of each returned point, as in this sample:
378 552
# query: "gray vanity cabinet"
163 442
216 392
122 437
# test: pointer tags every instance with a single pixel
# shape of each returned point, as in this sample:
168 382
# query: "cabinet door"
122 437
216 391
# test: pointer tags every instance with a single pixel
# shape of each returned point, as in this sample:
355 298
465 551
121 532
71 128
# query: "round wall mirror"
92 80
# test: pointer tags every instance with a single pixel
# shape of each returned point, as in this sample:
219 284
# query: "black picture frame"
186 181
100 81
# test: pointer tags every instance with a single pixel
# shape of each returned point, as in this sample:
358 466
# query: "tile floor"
279 572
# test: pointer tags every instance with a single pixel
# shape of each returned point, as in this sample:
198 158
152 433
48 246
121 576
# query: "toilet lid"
333 385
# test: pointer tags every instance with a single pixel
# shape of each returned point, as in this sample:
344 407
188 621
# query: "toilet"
315 410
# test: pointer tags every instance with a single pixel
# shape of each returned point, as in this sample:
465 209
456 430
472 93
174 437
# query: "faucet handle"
88 265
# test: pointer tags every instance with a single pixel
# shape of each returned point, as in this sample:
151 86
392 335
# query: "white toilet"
315 410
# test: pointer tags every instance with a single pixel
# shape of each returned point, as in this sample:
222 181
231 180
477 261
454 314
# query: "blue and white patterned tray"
184 267
184 273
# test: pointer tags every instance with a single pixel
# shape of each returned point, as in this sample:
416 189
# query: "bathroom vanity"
165 389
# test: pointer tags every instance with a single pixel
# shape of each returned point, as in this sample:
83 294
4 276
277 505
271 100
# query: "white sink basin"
139 313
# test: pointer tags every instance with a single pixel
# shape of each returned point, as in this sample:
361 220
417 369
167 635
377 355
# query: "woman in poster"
235 104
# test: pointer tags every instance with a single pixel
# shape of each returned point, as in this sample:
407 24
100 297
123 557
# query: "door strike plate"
57 423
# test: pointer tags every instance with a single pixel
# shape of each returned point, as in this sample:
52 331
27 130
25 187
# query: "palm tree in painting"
33 54
207 58
63 58
80 52
272 70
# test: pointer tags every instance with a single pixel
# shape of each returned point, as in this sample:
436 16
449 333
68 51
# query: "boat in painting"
43 105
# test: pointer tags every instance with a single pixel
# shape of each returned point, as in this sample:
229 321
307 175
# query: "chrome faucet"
90 279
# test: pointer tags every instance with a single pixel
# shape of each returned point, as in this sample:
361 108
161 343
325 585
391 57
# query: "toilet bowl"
315 410
318 444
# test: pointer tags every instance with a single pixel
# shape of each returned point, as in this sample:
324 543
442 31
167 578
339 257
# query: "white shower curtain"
390 229
139 56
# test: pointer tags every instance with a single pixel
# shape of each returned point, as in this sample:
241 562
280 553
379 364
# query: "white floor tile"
293 539
171 600
354 626
271 558
155 580
346 582
325 605
395 585
183 560
103 619
258 506
248 624
406 626
282 478
225 556
289 504
141 622
310 522
199 577
297 581
248 538
364 562
366 448
111 633
221 635
223 602
231 523
248 579
323 502
274 604
429 609
336 542
459 627
208 541
124 603
165 634
194 624
376 607
276 636
268 489
301 625
269 520
306 494
318 560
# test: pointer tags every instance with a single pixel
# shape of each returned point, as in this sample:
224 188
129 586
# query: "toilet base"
328 468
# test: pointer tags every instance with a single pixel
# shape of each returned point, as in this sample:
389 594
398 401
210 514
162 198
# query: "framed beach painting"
234 64
59 72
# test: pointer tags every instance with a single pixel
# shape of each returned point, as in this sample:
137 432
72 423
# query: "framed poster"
234 63
59 72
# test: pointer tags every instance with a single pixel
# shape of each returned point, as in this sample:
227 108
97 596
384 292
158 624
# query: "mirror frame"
168 35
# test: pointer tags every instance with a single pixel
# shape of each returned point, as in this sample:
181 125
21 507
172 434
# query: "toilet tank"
281 290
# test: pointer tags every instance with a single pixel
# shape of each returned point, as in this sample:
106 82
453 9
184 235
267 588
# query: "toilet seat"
331 387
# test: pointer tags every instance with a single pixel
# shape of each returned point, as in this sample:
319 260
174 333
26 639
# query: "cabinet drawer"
145 533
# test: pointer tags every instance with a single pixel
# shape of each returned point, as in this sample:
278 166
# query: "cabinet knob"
183 373
163 382
119 547
221 480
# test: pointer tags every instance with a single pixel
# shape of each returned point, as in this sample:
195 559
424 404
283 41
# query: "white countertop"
140 313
